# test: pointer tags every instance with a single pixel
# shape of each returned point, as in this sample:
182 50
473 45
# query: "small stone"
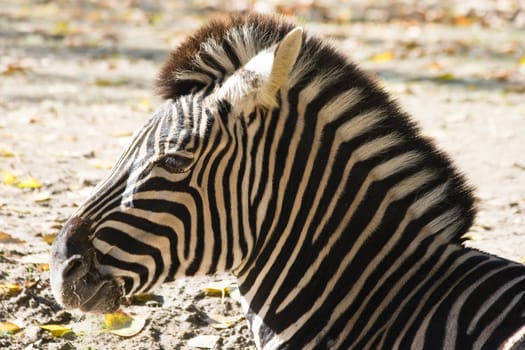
32 333
62 317
33 303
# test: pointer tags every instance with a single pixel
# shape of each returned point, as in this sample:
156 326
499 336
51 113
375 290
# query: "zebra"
276 158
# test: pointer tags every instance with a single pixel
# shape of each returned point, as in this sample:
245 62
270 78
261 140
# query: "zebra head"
172 188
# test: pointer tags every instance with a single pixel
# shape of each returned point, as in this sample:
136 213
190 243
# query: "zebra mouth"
104 299
90 294
76 279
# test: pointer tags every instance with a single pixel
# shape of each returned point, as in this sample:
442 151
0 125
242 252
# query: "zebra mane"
224 45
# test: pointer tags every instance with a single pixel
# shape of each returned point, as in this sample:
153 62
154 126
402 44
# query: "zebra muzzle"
75 280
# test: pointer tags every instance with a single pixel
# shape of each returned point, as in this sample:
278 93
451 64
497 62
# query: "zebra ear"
260 79
285 56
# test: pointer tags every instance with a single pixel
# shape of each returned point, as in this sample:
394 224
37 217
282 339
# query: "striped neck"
437 296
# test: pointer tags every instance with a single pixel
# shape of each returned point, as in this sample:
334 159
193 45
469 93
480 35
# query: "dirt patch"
76 80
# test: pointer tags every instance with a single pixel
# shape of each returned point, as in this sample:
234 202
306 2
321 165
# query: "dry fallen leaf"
124 133
61 27
30 182
445 77
204 341
463 21
9 290
70 139
108 82
219 289
12 68
6 153
434 66
9 328
470 237
10 179
42 197
144 105
143 297
222 322
382 57
116 320
124 325
43 267
56 329
7 238
49 238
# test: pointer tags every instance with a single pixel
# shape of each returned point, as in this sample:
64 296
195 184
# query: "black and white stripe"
342 223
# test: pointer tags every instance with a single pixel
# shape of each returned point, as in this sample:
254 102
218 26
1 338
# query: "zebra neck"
436 296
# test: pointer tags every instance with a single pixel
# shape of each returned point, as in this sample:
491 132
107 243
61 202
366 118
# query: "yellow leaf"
116 320
470 236
70 139
123 133
7 238
382 57
218 290
122 324
30 182
10 179
42 267
12 68
143 297
6 153
108 82
56 329
49 238
9 290
463 21
155 18
445 77
8 327
521 62
30 284
144 105
61 28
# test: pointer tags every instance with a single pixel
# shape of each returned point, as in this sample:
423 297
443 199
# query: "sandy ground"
75 81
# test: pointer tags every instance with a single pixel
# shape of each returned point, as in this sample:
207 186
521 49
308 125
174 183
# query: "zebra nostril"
75 268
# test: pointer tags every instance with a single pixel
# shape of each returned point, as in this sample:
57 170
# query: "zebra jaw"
75 279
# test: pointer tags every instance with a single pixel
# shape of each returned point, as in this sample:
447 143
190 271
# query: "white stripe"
490 301
341 104
487 332
452 324
419 339
117 253
398 191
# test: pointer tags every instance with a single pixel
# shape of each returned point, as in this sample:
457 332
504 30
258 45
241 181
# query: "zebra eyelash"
176 163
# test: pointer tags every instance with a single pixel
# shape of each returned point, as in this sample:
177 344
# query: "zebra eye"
176 163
